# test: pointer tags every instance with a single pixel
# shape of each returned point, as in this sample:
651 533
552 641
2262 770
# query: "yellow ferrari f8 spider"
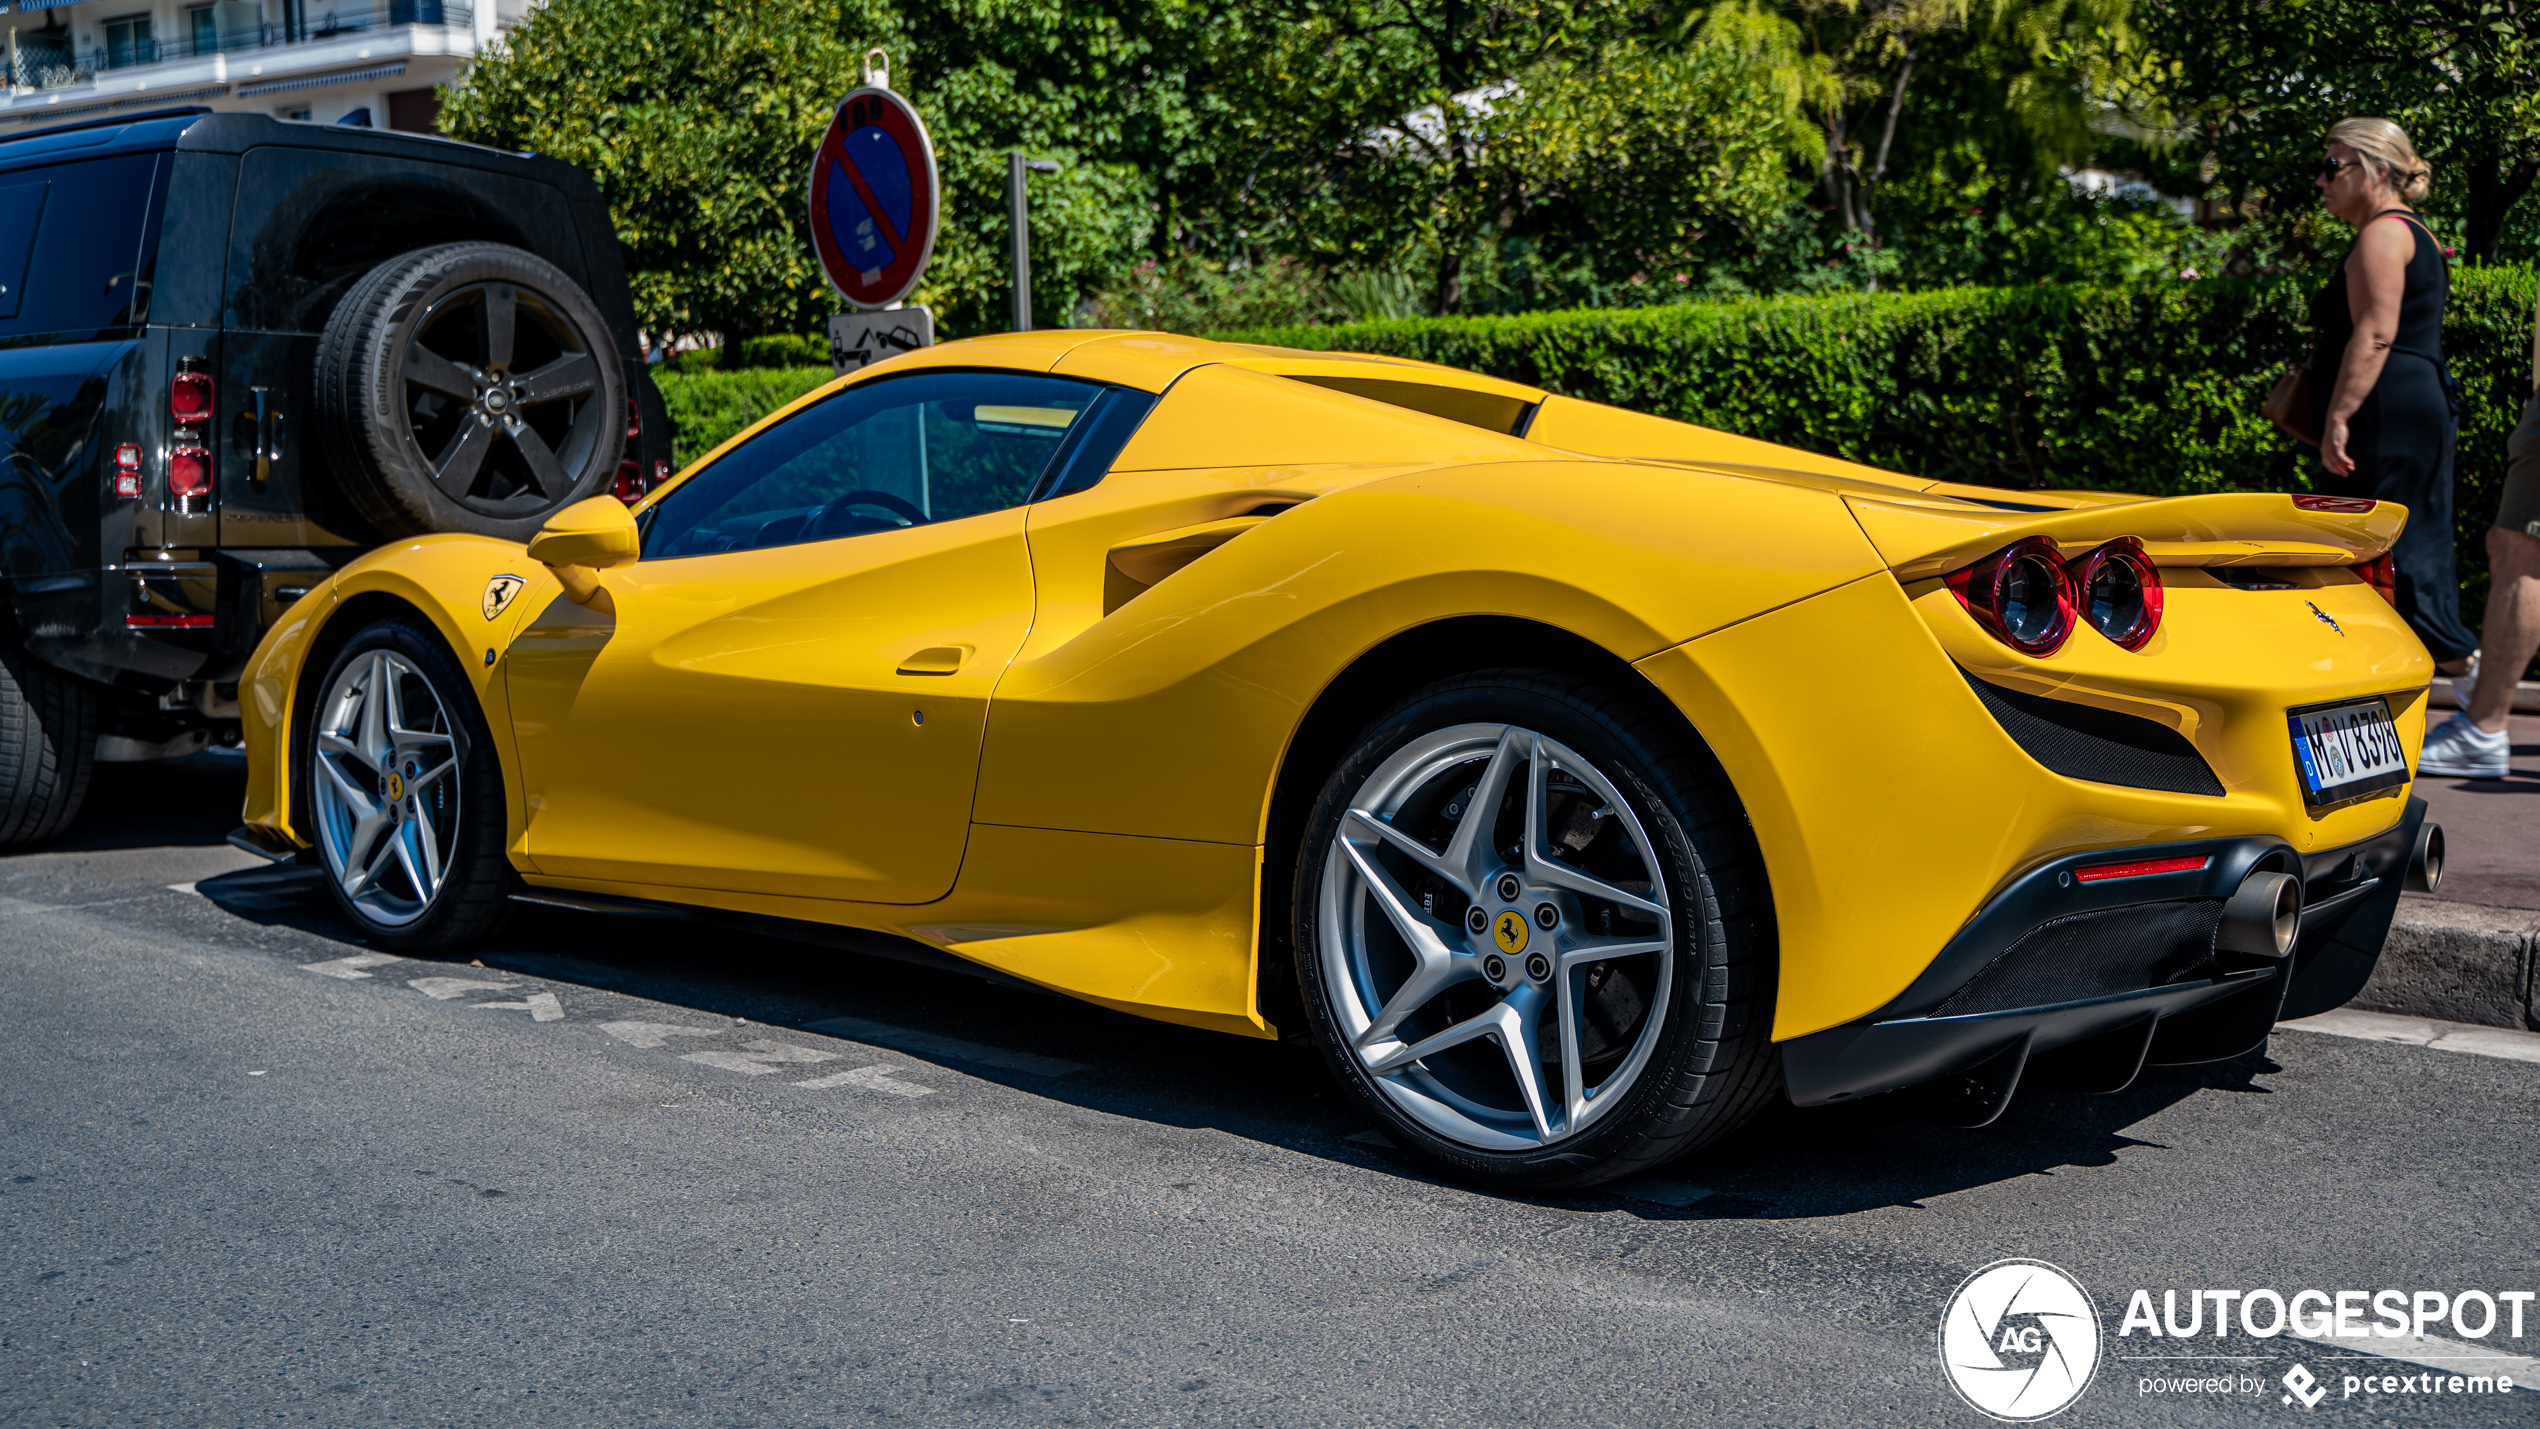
1578 780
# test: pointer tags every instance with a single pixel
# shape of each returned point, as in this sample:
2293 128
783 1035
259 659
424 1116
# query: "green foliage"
2152 389
708 407
698 119
2257 83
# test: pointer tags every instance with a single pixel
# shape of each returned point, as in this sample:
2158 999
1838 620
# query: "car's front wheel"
1533 934
405 792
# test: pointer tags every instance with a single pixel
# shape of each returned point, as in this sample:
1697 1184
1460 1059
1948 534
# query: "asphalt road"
609 1177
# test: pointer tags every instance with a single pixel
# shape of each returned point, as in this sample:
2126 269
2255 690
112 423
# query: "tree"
1418 133
698 119
2257 83
2022 72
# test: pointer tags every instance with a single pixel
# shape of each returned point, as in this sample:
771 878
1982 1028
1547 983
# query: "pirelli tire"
48 745
468 387
1533 932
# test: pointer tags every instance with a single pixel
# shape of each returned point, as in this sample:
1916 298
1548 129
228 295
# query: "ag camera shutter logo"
2019 1341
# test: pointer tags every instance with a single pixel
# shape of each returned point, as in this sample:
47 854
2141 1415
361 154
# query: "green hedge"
707 407
2151 389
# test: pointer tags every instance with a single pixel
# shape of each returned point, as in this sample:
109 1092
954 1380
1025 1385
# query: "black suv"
237 352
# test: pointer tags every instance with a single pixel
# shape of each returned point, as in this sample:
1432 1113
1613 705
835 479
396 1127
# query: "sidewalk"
2470 952
2491 827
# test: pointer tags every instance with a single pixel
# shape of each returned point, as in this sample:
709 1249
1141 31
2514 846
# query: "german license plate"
2346 750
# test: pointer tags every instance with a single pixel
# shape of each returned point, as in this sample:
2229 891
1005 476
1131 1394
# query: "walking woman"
2390 423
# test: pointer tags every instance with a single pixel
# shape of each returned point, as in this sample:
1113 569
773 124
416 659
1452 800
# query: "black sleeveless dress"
2402 437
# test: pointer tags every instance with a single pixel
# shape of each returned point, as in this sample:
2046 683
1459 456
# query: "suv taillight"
190 397
189 474
634 421
2021 594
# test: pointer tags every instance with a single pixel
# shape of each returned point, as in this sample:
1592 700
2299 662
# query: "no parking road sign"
874 198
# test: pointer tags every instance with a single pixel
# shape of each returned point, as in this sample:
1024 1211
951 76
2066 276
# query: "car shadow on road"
165 803
1790 1164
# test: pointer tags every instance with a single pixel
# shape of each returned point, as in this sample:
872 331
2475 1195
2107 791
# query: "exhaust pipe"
2425 861
2263 917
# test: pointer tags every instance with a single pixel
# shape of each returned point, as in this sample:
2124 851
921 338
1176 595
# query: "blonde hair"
2387 146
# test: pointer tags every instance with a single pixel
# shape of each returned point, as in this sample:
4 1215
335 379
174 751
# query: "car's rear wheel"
405 792
1533 933
48 744
469 387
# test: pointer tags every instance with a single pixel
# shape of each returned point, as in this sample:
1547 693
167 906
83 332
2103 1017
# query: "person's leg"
2429 584
2511 632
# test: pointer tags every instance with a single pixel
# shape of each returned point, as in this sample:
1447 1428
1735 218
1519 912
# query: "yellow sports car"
1579 780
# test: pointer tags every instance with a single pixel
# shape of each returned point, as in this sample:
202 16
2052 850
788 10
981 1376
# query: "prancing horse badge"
499 592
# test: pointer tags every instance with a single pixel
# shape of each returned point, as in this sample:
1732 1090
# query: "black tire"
48 745
432 420
1711 1064
473 901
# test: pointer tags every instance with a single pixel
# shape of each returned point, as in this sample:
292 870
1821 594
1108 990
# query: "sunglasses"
2329 168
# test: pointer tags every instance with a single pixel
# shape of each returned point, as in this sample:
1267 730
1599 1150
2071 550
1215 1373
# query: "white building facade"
362 62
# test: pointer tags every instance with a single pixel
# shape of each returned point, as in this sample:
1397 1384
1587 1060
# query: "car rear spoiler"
1920 537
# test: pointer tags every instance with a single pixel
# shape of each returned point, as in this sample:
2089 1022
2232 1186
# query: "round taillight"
189 471
190 397
2120 592
2022 594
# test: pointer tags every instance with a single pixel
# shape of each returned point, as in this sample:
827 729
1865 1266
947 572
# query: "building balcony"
313 36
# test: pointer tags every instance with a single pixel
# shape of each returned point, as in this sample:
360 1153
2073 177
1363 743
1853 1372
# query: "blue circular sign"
875 199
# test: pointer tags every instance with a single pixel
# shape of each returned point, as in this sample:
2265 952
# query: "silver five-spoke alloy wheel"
387 792
1496 937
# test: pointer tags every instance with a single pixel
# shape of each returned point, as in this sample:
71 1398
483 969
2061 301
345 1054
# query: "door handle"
268 433
935 660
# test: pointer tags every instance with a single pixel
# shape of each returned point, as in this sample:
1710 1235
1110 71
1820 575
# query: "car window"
898 452
71 244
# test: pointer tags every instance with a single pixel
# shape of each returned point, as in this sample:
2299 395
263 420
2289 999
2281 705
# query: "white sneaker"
2458 749
2464 686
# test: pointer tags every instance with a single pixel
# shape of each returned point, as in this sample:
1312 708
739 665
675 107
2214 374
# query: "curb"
2458 962
2526 696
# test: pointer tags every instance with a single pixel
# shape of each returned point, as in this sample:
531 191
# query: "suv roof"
197 129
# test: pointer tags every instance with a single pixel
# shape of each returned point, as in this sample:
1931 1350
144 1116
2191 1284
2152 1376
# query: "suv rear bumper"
2083 984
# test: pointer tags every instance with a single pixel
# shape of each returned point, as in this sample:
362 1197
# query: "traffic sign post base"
858 340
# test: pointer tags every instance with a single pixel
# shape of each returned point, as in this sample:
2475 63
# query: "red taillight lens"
661 471
128 470
2343 505
630 483
2120 592
2143 868
634 421
2382 574
2022 594
189 472
190 397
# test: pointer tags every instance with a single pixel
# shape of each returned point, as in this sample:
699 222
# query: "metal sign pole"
1016 210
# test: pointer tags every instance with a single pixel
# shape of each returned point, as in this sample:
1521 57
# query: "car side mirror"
583 540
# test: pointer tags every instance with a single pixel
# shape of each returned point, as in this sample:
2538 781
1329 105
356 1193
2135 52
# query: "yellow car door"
786 694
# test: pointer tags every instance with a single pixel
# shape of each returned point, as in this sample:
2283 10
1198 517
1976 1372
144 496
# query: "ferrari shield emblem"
1510 932
499 592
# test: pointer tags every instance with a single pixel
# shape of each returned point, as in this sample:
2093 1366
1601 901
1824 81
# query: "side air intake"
2085 742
